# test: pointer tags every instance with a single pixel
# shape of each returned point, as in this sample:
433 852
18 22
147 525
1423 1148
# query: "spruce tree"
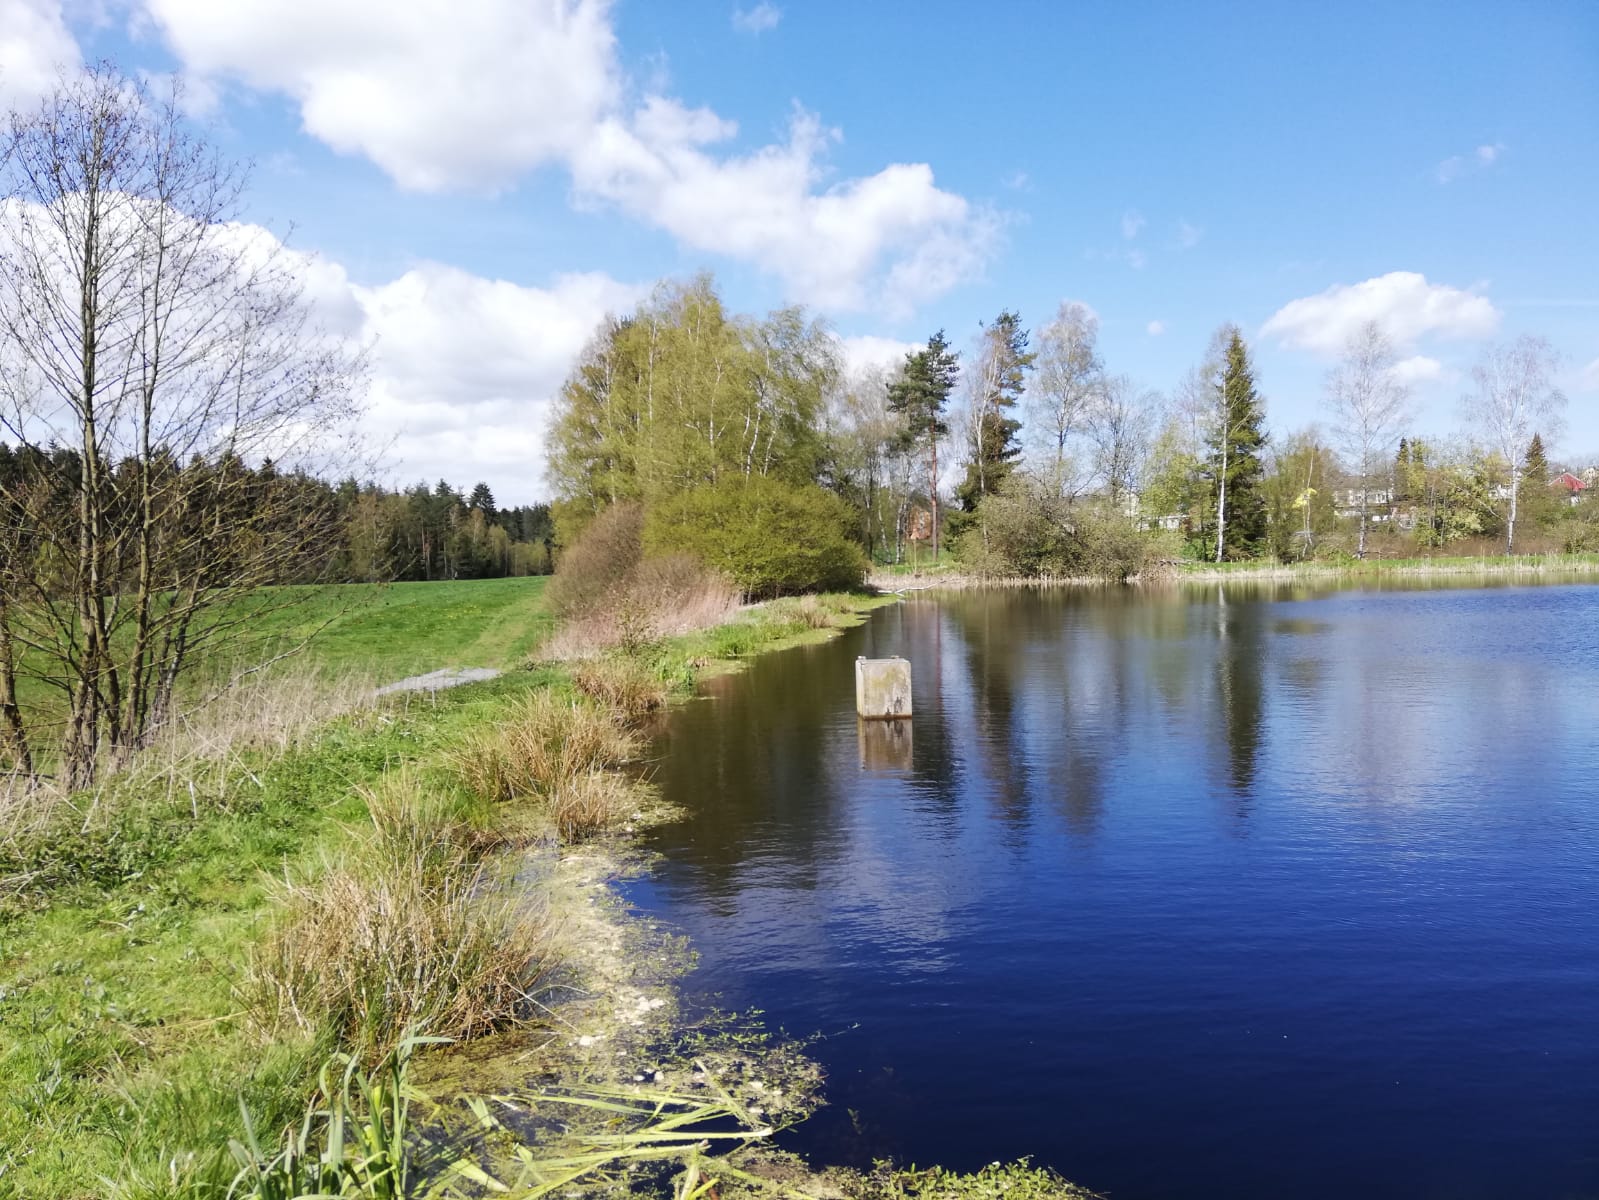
1540 506
920 395
1237 516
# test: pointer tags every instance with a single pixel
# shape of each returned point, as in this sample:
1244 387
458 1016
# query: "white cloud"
1155 328
438 93
1417 369
1402 302
1132 222
475 93
35 48
1018 181
887 241
757 20
1188 235
1137 259
866 352
1480 159
464 369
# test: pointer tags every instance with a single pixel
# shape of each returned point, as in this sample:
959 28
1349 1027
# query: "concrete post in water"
882 688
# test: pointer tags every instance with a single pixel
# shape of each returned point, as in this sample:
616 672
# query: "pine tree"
482 500
1234 469
920 396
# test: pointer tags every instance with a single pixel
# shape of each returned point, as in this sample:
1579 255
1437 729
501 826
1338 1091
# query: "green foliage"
1028 530
770 538
1299 499
996 1181
682 393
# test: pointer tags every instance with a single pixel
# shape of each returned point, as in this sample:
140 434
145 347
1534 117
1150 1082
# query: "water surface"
1198 893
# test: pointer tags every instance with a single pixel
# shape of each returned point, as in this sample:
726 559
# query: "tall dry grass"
407 931
562 753
371 950
219 735
657 598
626 684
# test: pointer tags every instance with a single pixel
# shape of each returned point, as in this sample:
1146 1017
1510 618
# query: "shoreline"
1167 574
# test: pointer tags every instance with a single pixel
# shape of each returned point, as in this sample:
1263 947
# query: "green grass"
129 1031
1378 566
399 629
122 951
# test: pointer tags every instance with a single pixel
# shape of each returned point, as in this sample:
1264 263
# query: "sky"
481 181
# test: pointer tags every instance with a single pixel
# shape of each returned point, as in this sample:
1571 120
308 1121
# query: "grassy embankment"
191 936
949 573
1494 565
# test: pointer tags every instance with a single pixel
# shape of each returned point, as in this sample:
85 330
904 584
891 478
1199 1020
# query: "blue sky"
481 179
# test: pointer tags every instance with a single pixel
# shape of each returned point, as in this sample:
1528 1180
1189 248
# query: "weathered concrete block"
882 688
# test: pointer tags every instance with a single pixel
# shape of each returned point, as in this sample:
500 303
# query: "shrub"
769 537
1028 530
599 562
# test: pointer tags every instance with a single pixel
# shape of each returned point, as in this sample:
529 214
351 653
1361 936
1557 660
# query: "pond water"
1243 892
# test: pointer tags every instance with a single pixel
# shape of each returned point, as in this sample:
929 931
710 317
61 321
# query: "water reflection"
1308 850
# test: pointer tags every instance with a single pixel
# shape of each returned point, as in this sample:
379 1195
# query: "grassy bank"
1519 564
170 945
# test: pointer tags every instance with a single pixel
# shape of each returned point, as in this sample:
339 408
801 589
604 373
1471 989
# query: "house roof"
1568 481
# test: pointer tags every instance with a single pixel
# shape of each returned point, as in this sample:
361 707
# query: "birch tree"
1514 391
1067 378
1368 406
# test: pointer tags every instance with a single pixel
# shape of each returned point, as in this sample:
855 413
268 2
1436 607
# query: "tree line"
1027 455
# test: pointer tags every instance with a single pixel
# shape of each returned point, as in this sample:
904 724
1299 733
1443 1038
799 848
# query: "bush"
627 684
599 563
769 537
1027 530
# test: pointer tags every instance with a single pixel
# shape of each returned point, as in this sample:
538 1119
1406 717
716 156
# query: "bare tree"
1068 376
1514 394
1120 423
159 370
1368 407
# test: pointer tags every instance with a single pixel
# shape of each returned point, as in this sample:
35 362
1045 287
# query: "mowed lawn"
390 631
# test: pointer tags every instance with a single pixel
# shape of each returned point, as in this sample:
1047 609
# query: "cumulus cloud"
1480 159
1402 302
475 93
35 47
757 20
1417 369
464 368
888 241
1132 223
1155 328
1188 235
438 93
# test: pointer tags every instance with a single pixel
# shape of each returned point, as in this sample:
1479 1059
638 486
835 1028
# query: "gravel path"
435 681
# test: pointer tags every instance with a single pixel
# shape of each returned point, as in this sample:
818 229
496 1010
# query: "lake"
1233 892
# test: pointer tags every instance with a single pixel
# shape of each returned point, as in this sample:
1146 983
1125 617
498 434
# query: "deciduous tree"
1514 392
